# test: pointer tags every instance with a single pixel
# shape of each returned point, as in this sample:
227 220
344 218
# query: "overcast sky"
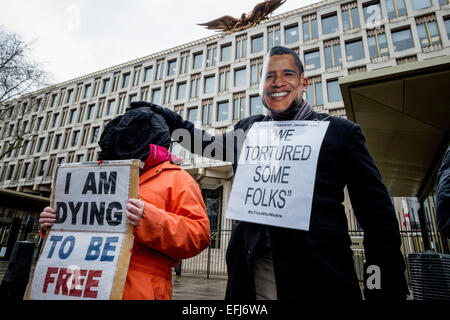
76 37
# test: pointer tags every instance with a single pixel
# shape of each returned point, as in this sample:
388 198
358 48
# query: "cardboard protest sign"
86 253
274 182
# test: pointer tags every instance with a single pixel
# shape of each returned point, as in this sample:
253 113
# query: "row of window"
42 168
428 34
402 39
56 142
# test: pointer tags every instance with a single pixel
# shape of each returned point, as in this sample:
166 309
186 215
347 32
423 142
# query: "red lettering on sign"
77 280
49 278
91 283
61 283
80 284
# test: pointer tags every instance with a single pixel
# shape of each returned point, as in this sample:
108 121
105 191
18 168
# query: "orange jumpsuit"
174 226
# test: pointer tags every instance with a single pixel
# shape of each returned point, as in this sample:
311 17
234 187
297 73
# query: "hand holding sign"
47 218
135 209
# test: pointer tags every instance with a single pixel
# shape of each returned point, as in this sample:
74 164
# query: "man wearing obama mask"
269 262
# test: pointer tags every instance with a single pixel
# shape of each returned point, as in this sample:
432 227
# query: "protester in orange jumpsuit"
169 218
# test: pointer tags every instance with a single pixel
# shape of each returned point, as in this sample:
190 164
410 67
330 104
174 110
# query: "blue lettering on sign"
54 240
108 247
95 250
71 241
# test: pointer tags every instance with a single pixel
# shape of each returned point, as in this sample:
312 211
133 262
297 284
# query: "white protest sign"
87 251
274 181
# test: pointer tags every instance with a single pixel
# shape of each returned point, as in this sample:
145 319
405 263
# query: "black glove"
170 116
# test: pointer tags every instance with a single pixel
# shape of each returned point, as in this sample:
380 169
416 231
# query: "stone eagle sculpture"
230 24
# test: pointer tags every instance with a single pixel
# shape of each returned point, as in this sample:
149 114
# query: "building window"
87 91
96 87
310 28
256 106
171 67
428 31
137 76
101 105
225 52
90 113
80 158
121 105
239 106
168 91
447 26
312 60
333 56
144 93
156 96
49 142
75 137
443 2
57 141
222 111
41 171
24 148
69 95
71 116
62 93
25 170
111 107
209 84
181 90
148 74
132 98
94 136
241 46
329 23
395 8
224 79
240 77
125 80
420 4
179 110
372 14
81 114
195 85
377 42
184 62
402 39
354 50
192 114
350 16
291 34
256 70
273 36
334 92
115 83
198 60
314 93
211 55
53 100
55 120
207 111
105 87
159 70
257 43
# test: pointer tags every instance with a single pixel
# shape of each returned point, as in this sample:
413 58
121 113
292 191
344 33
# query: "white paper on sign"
274 181
77 265
86 198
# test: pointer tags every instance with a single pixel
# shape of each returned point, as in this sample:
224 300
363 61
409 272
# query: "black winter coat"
318 263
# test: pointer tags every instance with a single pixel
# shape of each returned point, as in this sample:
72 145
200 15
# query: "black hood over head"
128 136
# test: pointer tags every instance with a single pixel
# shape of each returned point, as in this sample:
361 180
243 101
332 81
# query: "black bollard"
16 277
